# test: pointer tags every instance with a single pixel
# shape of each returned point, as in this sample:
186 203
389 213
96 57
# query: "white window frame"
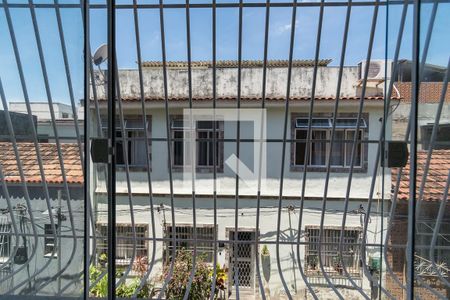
130 130
177 126
301 126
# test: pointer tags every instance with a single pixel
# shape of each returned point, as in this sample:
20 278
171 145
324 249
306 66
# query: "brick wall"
396 253
429 92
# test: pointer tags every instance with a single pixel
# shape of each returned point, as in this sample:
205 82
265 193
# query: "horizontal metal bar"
222 5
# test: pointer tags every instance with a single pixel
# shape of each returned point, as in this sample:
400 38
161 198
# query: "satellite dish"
100 55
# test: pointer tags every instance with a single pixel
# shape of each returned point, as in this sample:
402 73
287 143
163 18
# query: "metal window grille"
333 259
127 243
204 247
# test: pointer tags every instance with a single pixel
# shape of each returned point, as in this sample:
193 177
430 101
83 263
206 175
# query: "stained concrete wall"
226 82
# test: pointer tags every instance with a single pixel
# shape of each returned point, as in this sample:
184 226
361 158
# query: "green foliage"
201 284
125 290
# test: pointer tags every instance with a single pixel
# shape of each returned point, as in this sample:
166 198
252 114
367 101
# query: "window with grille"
125 241
185 236
204 134
321 130
5 239
134 141
333 260
49 241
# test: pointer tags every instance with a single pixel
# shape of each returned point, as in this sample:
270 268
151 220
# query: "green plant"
201 283
265 251
125 290
221 278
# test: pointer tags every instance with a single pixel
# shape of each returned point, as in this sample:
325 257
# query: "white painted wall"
41 109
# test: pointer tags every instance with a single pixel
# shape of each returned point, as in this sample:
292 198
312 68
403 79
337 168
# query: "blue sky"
201 34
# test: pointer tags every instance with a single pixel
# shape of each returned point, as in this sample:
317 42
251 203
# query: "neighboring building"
64 120
430 91
428 208
64 255
21 124
226 82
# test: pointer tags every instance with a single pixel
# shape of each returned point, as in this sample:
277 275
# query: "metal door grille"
59 211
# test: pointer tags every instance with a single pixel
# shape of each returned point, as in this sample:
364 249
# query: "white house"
163 193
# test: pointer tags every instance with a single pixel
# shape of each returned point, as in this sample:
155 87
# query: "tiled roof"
436 178
49 155
246 98
234 64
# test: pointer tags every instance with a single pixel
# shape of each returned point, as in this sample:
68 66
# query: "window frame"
364 129
129 140
141 237
49 241
167 233
5 239
219 140
355 271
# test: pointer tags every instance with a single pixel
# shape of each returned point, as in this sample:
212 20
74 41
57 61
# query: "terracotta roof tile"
435 180
234 64
50 161
247 98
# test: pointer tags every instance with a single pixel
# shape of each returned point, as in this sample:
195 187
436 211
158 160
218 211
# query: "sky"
201 39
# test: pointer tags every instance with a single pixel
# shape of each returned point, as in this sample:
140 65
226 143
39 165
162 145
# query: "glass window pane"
300 147
338 152
318 149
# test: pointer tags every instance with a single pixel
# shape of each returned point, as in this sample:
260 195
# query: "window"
65 115
330 250
320 142
5 239
125 241
185 235
49 241
424 239
204 134
135 142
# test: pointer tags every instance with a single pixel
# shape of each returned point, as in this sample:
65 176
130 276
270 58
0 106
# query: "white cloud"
284 28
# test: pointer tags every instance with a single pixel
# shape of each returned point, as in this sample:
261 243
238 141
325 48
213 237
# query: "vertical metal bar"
22 179
308 141
193 159
437 226
111 88
333 131
57 142
415 78
68 79
263 105
127 174
408 131
147 150
36 146
166 101
86 128
283 150
238 137
214 95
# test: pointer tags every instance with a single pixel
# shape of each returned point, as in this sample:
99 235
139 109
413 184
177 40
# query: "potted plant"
265 262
